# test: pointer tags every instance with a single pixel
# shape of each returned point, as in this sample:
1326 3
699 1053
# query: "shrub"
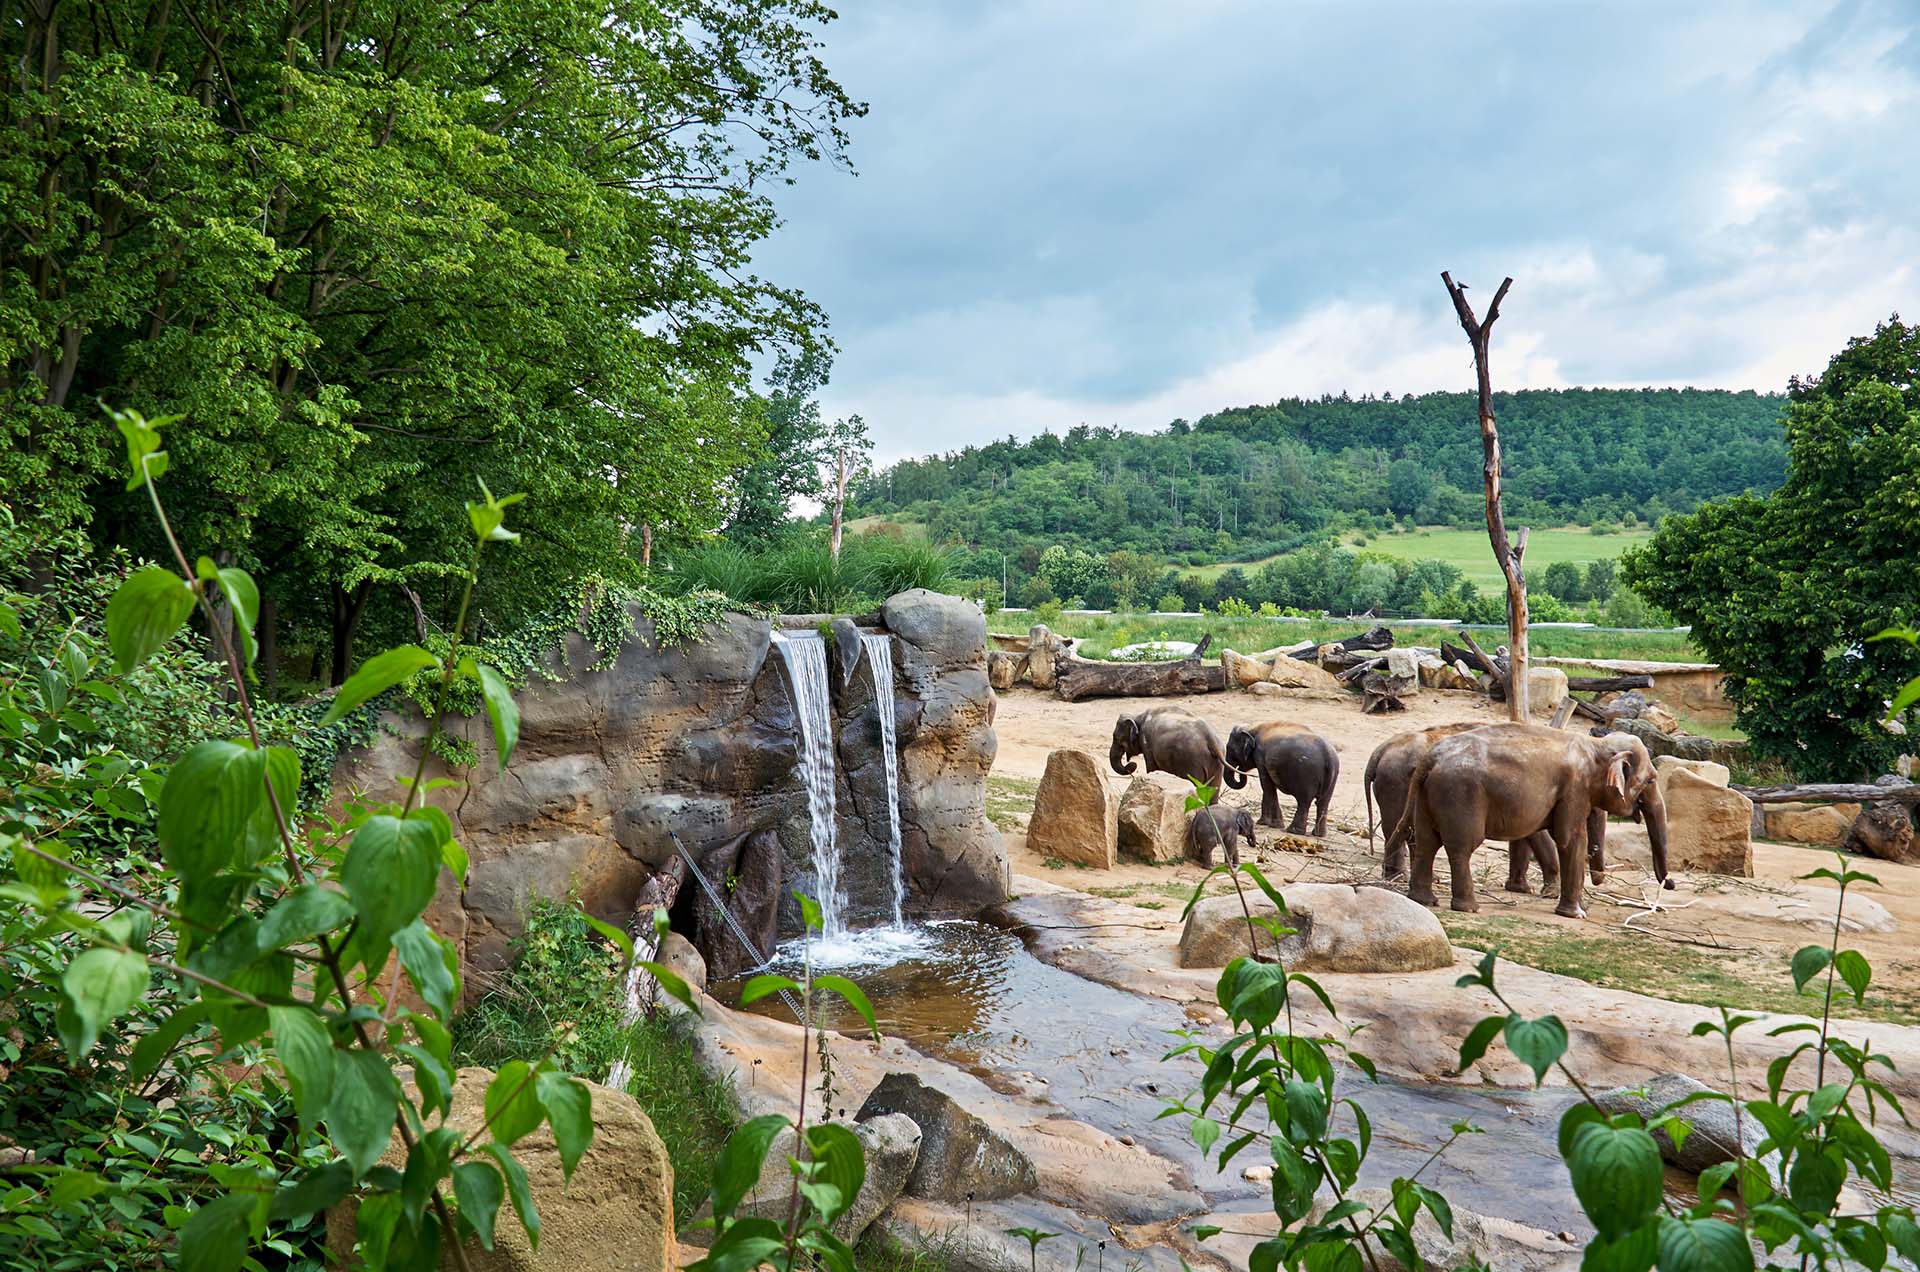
1235 607
1170 603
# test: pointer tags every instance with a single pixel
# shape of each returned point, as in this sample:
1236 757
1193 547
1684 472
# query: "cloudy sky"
1119 213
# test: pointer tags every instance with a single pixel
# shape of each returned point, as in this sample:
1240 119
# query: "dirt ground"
1714 940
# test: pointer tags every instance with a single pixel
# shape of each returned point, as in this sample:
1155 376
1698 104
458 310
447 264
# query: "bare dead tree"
646 545
839 497
1509 555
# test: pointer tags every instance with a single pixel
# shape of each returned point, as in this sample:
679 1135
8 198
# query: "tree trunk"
348 609
1509 555
1838 793
1079 678
269 638
839 497
1608 684
1374 638
646 545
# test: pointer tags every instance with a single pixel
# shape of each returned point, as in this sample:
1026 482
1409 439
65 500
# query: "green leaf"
9 621
1815 1178
738 1167
1855 970
430 964
97 986
209 795
1206 1133
302 914
766 983
511 1104
1703 1245
243 598
263 827
1616 1175
1272 893
390 873
145 612
429 1074
853 994
1634 1252
744 1246
320 1189
377 675
365 1102
517 1190
305 1051
154 1047
70 1187
842 1165
1902 1233
1808 962
214 1238
621 941
478 1189
1538 1043
675 986
1479 1039
569 1105
501 710
809 911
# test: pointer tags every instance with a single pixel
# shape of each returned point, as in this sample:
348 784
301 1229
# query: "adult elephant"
1291 759
1508 781
1168 740
1388 776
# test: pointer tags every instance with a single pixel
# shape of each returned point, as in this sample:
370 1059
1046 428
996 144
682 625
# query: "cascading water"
879 650
806 659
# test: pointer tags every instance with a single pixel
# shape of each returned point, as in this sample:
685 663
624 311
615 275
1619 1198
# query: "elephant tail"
1366 786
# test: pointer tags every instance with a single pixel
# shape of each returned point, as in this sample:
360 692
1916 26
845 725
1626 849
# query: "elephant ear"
1617 769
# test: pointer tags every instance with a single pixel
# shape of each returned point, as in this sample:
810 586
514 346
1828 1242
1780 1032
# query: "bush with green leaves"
270 937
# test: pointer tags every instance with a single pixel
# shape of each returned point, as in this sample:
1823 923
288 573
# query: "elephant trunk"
1597 845
1654 806
1120 758
1233 777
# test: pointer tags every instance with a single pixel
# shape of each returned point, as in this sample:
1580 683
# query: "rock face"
616 1212
1824 825
960 1157
700 740
891 1145
1075 817
1883 830
1714 1138
1707 824
1153 817
1339 928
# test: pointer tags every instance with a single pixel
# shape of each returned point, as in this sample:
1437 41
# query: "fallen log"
1373 639
1078 677
1833 792
1381 693
1589 711
1360 668
1608 684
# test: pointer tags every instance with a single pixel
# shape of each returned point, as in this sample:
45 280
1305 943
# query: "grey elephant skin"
1291 760
1168 740
1388 776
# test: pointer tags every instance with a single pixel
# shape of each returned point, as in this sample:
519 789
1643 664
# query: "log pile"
1076 677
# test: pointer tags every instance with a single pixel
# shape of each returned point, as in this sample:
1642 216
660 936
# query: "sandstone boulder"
1707 824
680 956
1241 670
1002 668
891 1145
1403 664
1715 1136
1660 716
1824 825
960 1158
1075 816
1297 673
1436 673
1708 770
1153 817
615 1213
1338 928
1883 830
1041 654
1546 686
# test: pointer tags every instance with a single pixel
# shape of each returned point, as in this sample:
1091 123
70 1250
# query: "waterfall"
879 651
806 659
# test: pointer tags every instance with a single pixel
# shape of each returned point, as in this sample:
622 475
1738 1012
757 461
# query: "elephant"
1389 772
1508 781
1290 758
1170 740
1218 827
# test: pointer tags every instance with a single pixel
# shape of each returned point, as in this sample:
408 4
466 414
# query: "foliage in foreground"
1784 590
1269 1085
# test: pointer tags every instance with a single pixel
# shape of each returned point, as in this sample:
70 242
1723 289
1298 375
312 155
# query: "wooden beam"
1608 684
1831 793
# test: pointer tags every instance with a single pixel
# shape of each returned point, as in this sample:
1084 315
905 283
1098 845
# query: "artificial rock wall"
702 739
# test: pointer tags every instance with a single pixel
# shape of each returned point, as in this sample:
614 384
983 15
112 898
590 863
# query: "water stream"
879 650
806 659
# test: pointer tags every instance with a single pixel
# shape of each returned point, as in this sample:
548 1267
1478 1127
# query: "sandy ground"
1731 932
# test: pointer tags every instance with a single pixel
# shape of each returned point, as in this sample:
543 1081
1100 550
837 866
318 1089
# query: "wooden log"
1564 712
1608 684
1381 693
1360 668
1373 639
1589 711
1831 793
1078 677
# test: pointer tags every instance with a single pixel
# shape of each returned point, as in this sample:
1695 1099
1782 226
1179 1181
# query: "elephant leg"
1519 852
1460 863
1395 865
1298 826
1320 812
1548 856
1570 834
1426 843
1269 801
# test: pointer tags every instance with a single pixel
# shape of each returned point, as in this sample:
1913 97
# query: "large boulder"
891 1146
1241 670
1003 668
1075 816
615 1213
1546 686
1711 771
681 957
1715 1134
1883 830
1296 673
1436 673
961 1158
1153 817
1042 651
1338 928
1823 825
1707 824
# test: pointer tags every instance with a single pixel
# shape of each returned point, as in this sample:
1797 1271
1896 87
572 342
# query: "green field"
1469 550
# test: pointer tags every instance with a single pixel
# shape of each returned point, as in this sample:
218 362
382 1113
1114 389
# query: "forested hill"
1259 479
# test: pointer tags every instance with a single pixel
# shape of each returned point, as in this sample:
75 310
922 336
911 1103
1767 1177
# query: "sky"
1120 213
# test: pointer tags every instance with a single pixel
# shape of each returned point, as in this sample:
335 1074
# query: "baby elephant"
1218 827
1291 759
